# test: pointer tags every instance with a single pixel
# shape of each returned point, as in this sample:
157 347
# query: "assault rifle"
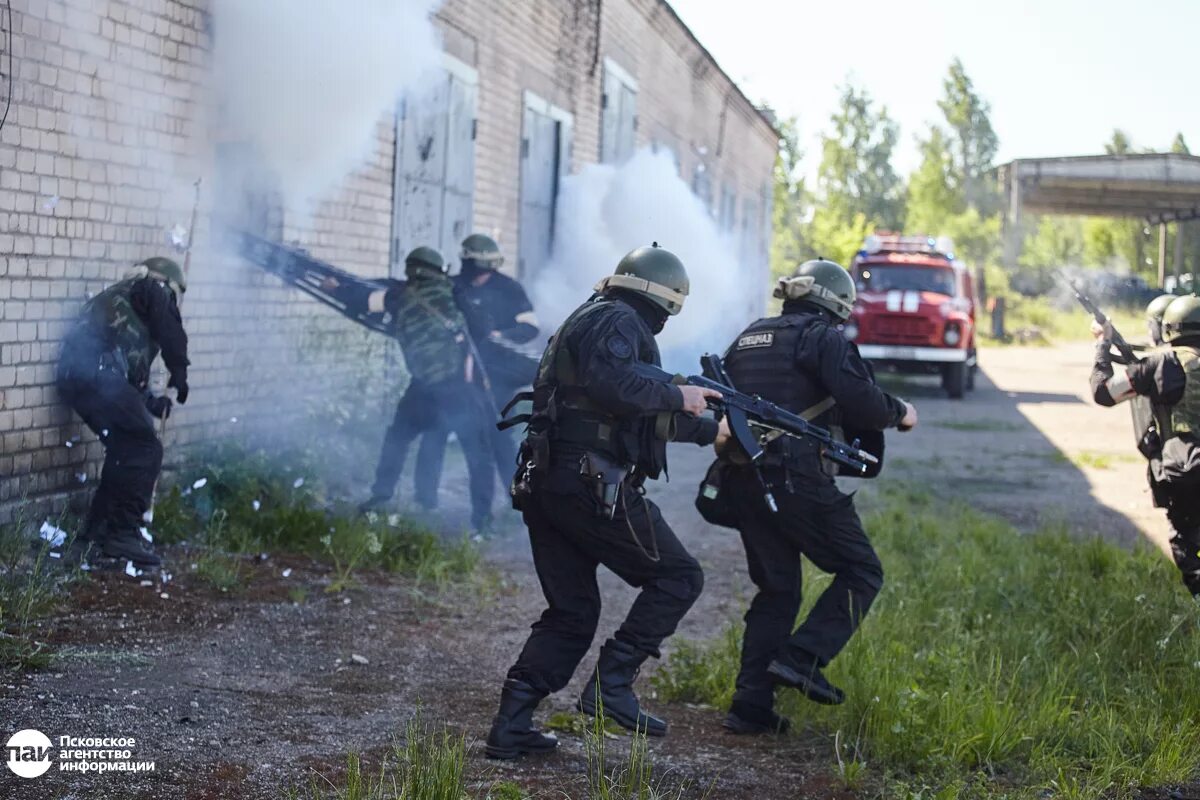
746 413
1123 347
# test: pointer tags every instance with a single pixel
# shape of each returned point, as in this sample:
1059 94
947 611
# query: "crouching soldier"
598 430
104 375
801 361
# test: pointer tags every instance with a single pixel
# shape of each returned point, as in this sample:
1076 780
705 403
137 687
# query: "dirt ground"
236 695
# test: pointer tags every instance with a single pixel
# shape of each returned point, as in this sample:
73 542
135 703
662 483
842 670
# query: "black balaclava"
472 268
654 315
801 306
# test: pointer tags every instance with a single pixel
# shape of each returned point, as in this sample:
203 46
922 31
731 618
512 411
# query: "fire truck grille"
902 329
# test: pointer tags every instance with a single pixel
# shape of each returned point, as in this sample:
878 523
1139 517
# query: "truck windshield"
888 277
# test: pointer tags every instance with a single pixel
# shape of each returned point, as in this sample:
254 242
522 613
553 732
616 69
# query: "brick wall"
113 119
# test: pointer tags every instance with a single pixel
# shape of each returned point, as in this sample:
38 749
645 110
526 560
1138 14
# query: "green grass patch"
424 764
32 584
980 425
1096 459
1033 320
234 501
1028 665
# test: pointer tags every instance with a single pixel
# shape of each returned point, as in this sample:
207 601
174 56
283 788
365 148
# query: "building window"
618 115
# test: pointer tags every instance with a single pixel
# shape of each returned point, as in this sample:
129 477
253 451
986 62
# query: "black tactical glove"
159 407
178 382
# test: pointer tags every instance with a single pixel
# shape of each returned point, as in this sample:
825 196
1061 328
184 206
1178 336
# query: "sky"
1060 75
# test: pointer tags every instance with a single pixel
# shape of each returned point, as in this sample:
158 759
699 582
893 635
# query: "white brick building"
113 118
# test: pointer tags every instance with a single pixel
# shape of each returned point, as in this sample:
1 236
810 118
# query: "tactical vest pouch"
712 500
1179 467
606 477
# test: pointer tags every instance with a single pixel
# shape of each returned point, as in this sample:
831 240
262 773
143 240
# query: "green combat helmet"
1154 315
483 250
1181 320
424 259
163 269
822 283
654 273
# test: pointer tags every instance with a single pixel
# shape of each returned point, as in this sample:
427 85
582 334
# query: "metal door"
435 168
541 148
618 118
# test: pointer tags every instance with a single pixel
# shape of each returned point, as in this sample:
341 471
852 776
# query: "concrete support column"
1013 239
1177 262
1162 254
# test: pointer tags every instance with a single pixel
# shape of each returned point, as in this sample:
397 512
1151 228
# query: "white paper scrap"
54 535
200 484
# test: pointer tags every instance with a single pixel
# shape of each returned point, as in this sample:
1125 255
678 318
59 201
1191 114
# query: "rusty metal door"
541 148
435 167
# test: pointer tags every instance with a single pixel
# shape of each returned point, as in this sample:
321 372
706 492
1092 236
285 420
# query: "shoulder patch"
619 346
752 340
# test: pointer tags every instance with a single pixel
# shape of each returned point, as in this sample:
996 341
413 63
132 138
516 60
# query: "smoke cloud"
605 211
306 81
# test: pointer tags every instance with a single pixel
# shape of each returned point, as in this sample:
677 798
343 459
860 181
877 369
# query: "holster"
606 476
532 455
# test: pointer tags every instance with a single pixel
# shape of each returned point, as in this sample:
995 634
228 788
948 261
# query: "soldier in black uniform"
497 311
1163 389
599 429
801 361
104 374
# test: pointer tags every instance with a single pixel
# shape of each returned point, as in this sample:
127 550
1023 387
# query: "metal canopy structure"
1159 188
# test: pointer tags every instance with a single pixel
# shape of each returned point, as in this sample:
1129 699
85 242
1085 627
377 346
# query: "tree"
1180 145
974 141
856 174
790 200
935 189
1120 144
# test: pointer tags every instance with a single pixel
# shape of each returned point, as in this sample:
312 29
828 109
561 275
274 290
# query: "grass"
423 765
1095 459
1025 315
233 502
997 664
980 425
31 586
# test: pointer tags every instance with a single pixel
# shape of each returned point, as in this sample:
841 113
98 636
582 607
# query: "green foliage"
31 586
633 780
424 765
787 242
974 142
1064 665
856 174
246 501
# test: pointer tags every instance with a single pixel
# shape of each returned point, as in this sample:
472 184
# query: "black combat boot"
512 732
754 720
801 671
617 668
130 546
375 502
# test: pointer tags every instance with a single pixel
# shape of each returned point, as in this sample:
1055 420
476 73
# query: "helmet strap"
633 283
805 286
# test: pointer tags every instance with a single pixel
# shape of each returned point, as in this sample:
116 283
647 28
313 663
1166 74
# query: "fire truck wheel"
954 380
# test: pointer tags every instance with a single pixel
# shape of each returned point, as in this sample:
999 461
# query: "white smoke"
307 81
605 211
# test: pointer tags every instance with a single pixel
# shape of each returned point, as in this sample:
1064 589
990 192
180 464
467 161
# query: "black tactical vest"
569 420
762 361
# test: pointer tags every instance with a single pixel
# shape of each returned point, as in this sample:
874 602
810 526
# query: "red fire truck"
916 309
